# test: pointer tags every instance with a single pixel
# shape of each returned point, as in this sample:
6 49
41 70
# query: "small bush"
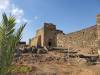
19 69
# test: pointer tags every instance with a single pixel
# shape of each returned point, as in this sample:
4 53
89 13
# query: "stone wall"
38 40
82 38
85 38
33 41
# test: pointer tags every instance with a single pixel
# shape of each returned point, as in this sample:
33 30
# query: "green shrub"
19 69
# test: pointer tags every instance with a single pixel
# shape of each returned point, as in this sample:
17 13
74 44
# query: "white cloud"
17 12
36 17
10 8
4 4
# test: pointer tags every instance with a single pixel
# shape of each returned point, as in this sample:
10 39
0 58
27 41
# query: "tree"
9 37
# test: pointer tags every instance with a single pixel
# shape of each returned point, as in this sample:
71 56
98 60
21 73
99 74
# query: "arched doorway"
50 42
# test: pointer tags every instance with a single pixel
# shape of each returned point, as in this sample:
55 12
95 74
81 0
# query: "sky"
67 15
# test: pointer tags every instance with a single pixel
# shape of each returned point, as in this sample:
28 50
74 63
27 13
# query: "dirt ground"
62 69
54 64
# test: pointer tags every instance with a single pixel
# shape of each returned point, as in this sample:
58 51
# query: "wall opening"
50 42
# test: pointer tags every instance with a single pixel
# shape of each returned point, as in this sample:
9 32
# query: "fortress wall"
48 35
83 38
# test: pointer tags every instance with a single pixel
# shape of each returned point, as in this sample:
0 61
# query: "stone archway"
50 44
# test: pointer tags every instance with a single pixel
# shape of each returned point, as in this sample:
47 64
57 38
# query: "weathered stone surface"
82 38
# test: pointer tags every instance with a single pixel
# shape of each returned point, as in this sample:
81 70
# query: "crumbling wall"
83 38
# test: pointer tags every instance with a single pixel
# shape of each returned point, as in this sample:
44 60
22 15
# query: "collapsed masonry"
49 36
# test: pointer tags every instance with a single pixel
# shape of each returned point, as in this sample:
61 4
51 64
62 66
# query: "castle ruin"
50 36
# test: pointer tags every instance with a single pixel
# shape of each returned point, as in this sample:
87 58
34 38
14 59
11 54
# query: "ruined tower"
49 35
45 36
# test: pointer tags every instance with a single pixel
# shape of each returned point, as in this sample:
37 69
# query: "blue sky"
68 15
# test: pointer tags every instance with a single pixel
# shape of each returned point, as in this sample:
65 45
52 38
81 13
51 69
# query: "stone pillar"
98 25
98 30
